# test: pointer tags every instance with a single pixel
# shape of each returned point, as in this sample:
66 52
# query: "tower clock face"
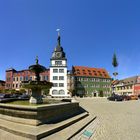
58 54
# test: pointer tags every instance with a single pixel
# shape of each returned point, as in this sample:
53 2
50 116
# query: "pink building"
14 78
137 86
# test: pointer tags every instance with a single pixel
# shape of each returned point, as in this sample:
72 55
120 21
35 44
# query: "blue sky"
91 31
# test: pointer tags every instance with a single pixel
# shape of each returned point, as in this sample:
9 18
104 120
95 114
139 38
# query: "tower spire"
58 39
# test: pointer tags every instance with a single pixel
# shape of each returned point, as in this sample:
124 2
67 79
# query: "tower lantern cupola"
58 51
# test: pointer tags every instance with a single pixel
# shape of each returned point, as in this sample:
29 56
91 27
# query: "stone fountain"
38 121
36 86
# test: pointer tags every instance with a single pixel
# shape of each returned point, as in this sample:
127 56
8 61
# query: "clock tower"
58 71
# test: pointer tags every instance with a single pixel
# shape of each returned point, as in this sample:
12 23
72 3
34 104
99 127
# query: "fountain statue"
36 86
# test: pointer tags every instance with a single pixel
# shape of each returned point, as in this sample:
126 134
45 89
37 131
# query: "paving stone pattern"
115 121
118 120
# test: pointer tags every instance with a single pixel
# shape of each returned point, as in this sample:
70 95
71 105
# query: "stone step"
71 131
38 132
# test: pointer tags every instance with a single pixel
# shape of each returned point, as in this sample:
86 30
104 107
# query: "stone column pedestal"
36 97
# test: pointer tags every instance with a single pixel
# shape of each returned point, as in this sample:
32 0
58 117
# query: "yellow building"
125 86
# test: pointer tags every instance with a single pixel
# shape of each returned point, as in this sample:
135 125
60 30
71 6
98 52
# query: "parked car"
15 95
24 96
3 95
133 97
126 97
115 97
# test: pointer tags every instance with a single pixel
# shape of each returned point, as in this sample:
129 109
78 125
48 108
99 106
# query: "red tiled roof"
93 72
114 82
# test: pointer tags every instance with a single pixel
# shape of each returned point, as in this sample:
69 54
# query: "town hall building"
58 72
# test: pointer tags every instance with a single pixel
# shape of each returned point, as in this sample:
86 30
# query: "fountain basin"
40 114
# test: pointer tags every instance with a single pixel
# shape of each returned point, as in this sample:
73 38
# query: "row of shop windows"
92 92
19 86
93 79
123 88
105 92
97 86
16 86
13 85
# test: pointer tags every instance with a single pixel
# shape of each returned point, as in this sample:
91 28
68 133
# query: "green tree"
46 91
22 90
12 91
114 61
6 91
115 65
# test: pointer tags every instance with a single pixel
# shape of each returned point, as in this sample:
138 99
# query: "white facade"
58 72
58 76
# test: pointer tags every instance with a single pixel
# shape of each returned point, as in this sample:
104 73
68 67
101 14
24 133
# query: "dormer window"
78 70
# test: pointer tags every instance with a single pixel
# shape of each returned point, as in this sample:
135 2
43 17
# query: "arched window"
61 92
54 92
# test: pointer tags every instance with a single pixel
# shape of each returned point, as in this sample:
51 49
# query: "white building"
58 72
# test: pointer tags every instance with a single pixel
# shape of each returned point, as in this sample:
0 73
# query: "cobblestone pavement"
117 120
